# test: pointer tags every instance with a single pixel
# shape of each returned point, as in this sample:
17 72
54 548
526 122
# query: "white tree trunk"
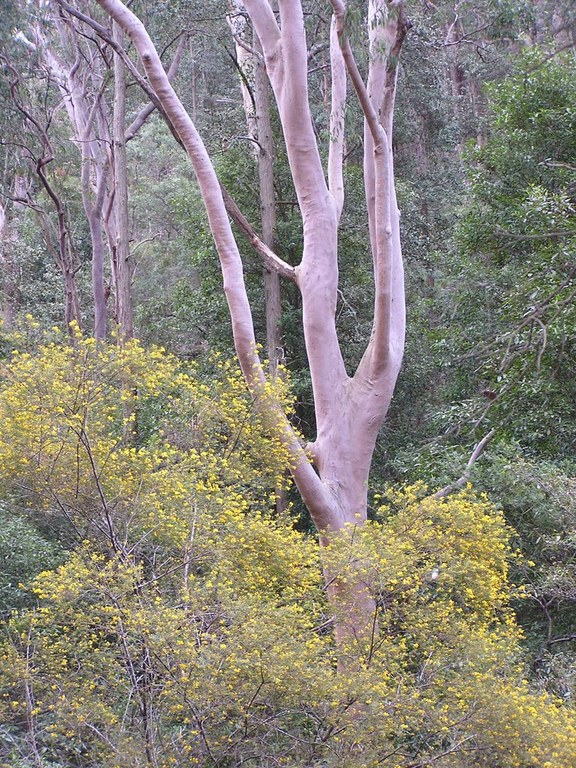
82 93
349 410
121 257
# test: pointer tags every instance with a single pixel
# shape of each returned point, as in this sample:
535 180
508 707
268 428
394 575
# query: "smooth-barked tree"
331 473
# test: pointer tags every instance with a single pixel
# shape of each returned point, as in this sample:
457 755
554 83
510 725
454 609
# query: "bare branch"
565 639
552 235
147 110
461 482
368 110
106 34
64 256
272 261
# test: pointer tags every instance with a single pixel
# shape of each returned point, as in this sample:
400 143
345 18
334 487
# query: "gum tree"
349 409
81 72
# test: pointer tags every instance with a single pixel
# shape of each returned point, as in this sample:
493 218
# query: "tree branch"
272 261
337 125
264 21
387 28
105 34
148 109
565 639
370 114
461 482
315 495
286 57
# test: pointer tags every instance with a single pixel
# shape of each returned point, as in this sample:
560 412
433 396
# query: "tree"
349 409
256 101
81 72
504 341
81 78
35 114
515 266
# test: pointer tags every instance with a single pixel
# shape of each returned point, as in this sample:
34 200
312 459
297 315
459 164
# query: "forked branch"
286 55
370 114
387 28
314 493
465 478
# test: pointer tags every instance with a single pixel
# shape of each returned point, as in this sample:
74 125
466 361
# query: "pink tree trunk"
349 409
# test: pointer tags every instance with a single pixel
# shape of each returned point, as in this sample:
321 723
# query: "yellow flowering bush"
189 625
127 442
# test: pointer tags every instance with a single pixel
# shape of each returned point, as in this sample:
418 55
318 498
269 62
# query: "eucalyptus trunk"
349 409
122 263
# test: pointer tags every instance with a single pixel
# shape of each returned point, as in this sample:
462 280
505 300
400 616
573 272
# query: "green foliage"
539 501
514 292
522 180
163 196
24 552
490 339
31 283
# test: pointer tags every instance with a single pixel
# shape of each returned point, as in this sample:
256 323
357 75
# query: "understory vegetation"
188 625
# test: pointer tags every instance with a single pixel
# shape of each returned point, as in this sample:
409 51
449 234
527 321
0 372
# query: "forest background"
161 586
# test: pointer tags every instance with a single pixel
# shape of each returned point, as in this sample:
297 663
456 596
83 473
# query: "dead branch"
461 482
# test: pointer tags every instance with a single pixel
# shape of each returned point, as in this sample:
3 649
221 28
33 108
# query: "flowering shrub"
190 625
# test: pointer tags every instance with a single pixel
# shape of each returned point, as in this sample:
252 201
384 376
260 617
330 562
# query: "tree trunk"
64 258
90 135
121 259
98 283
6 310
58 242
267 207
349 410
100 134
256 101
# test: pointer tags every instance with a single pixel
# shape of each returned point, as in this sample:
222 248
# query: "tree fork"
349 410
